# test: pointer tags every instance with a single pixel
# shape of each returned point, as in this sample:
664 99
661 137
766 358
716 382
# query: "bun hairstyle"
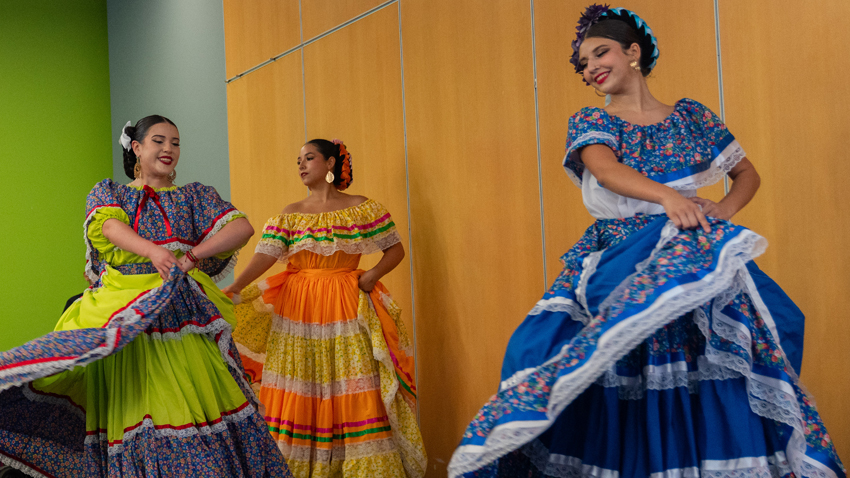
618 24
138 133
343 171
624 34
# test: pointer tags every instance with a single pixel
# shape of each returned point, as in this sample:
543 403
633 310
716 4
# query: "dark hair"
138 133
623 33
330 150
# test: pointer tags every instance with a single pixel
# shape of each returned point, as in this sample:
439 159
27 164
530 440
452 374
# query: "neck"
324 192
635 98
152 181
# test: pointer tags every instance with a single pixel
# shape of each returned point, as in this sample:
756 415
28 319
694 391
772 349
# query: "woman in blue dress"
661 350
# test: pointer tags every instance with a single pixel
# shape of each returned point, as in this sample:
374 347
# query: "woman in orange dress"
323 340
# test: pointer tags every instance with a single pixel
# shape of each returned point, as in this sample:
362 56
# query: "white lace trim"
353 451
605 138
246 352
148 423
555 304
665 377
89 272
307 388
13 463
342 328
667 234
613 345
588 269
409 451
363 247
720 167
561 304
65 403
209 330
269 250
231 265
28 373
564 466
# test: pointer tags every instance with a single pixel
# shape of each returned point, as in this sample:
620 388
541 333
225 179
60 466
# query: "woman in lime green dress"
140 377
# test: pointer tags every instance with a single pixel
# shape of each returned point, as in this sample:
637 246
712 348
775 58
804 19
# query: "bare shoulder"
354 200
294 207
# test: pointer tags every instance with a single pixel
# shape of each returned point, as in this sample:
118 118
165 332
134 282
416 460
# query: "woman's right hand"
231 290
163 260
684 213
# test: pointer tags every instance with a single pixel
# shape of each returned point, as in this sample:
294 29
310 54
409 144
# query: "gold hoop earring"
172 176
603 95
137 169
330 177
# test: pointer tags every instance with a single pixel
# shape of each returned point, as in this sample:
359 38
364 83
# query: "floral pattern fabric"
653 352
332 364
140 376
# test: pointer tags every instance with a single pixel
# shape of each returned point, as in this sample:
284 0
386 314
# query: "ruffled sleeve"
719 150
362 229
275 237
588 126
210 214
102 204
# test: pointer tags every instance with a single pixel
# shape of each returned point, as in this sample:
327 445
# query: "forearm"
232 236
625 181
745 183
259 264
393 256
124 237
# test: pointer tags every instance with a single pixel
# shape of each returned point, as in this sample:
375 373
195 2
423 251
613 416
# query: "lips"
166 159
600 78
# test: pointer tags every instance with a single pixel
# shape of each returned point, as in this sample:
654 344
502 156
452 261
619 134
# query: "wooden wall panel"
788 99
687 67
265 115
323 15
258 30
353 80
475 201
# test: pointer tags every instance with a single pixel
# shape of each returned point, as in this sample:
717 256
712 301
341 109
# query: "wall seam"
539 156
303 71
407 185
720 78
312 40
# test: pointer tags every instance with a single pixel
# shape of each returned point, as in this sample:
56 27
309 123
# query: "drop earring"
137 169
330 177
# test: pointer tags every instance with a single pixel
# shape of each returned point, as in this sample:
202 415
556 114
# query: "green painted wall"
55 144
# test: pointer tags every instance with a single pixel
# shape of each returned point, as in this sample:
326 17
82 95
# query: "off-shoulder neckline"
676 107
167 188
335 211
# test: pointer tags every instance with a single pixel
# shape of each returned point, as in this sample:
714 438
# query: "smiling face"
159 151
312 166
606 64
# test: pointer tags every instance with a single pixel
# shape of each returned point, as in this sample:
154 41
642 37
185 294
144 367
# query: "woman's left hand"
368 280
713 209
185 264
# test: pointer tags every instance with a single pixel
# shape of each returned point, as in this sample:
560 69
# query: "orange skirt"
334 370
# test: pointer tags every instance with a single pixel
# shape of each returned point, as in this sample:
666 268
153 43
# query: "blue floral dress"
656 352
140 377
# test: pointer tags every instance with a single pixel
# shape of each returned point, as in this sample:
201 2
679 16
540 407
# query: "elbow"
246 230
